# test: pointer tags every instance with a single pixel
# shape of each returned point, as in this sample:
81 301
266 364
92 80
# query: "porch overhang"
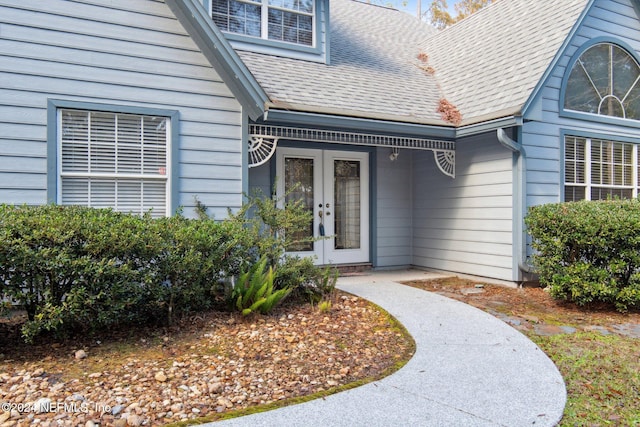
263 140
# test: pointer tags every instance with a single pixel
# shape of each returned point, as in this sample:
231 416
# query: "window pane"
611 106
575 160
102 193
290 27
625 72
574 194
128 155
596 61
626 164
237 16
154 197
75 141
102 136
75 191
297 5
305 23
220 13
632 103
305 5
580 94
275 17
154 154
599 193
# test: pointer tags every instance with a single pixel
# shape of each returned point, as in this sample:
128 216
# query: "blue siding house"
412 146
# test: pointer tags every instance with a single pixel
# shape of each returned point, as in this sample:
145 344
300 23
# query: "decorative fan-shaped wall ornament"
446 161
261 148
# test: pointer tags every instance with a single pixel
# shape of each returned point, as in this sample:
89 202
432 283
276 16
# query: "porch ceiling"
263 140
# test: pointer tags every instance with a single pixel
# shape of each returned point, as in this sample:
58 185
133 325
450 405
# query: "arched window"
605 80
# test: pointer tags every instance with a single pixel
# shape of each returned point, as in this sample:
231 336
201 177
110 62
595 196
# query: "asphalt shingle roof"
373 70
488 64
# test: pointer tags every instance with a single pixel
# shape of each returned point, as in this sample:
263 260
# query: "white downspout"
521 205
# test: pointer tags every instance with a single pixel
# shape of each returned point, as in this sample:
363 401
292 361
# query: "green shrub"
76 268
273 225
308 281
197 255
589 252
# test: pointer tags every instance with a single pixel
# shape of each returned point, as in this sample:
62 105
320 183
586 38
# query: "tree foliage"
441 18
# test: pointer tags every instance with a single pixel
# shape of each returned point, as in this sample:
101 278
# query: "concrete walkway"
469 369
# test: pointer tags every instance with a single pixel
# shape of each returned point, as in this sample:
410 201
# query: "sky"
411 5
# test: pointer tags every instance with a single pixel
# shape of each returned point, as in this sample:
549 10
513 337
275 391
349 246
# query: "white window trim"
167 178
588 185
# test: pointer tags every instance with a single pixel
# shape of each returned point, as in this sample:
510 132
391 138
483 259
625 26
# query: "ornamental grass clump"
588 252
254 291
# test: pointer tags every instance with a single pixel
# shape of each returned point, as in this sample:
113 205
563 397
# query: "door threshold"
355 269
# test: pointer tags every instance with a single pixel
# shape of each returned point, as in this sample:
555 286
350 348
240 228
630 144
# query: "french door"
334 185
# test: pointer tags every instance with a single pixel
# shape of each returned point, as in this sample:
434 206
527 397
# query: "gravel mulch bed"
207 366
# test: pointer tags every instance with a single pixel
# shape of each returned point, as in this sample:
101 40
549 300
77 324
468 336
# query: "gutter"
482 124
340 119
521 205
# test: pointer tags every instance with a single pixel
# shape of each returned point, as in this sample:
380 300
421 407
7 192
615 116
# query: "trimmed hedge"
589 252
76 268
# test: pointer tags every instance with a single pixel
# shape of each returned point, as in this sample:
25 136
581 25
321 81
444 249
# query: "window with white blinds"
598 169
290 21
113 160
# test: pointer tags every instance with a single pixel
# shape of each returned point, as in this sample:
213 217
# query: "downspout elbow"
510 143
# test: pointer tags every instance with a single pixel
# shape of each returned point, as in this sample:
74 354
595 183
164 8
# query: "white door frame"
324 250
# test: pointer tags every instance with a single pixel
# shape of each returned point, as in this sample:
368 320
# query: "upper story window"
605 80
282 20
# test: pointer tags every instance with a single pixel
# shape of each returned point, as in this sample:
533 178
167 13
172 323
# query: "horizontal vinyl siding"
121 52
465 224
394 214
541 136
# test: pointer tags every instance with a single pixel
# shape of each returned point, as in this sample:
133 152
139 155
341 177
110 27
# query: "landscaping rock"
472 291
116 410
204 371
134 420
160 377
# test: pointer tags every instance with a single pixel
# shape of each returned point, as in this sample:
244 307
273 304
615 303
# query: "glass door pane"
298 185
346 201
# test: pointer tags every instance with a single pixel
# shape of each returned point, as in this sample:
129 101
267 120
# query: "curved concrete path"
469 369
